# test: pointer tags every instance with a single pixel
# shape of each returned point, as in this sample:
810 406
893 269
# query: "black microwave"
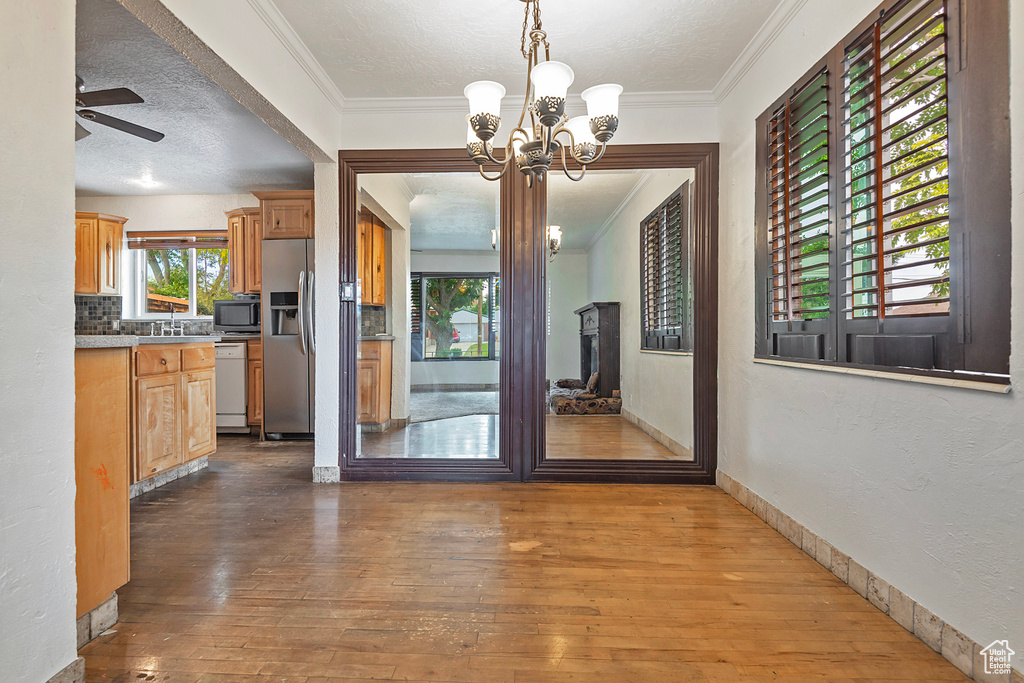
236 315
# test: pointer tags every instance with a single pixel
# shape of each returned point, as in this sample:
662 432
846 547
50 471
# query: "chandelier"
547 82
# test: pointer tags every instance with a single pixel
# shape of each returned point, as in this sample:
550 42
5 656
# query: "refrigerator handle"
310 319
302 324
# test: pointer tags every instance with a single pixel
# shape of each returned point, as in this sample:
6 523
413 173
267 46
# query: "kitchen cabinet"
287 214
175 412
371 259
102 413
98 241
373 383
245 234
255 382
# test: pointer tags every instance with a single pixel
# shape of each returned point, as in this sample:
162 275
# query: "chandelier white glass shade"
532 149
554 241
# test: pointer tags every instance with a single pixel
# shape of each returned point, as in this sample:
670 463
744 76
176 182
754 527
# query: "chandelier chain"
527 31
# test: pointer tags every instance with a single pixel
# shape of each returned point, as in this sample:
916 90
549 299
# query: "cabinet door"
110 233
199 434
364 256
253 254
287 219
255 394
236 254
377 265
86 275
158 425
367 376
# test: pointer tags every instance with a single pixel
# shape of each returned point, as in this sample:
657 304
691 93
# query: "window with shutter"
665 286
416 316
799 222
883 211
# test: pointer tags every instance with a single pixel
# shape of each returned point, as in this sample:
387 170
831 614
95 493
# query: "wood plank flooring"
248 572
602 437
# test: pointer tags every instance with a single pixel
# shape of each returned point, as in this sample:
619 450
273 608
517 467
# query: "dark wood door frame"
523 311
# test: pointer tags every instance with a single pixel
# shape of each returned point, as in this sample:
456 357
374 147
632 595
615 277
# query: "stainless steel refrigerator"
289 349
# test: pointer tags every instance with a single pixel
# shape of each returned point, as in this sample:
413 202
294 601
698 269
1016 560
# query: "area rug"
425 406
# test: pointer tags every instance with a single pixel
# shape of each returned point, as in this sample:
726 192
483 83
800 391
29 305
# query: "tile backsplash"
372 321
98 314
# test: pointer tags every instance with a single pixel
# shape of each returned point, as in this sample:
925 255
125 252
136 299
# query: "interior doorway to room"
429 291
524 300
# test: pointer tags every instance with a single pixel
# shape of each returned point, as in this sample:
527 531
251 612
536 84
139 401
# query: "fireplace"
599 345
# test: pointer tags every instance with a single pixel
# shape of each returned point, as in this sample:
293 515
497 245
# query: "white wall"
170 211
920 484
326 313
567 291
454 371
37 373
656 387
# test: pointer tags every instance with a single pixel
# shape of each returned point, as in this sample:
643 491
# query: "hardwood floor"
602 437
248 572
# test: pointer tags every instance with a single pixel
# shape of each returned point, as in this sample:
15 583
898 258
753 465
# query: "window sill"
898 376
667 353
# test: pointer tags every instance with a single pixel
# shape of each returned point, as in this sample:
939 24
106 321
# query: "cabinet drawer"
158 361
370 350
255 349
198 357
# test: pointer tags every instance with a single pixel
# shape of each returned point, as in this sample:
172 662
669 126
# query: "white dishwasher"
231 379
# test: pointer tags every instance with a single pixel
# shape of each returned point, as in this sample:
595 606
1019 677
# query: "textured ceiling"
402 48
457 211
213 145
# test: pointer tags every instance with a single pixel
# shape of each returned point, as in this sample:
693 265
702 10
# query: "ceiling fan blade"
121 125
103 98
80 131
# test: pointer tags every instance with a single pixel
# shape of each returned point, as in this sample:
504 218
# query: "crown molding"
762 40
640 184
279 26
447 105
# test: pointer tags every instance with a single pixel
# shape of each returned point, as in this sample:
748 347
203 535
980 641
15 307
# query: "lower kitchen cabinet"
175 406
255 382
102 413
158 410
373 383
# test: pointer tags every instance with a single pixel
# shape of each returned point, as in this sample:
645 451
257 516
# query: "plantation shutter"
665 276
896 219
416 316
799 223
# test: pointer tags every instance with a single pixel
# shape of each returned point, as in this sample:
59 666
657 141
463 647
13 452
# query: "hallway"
248 572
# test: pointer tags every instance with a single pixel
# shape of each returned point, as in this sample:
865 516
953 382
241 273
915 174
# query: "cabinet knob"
163 361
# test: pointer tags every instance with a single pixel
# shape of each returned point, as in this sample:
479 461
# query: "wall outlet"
116 325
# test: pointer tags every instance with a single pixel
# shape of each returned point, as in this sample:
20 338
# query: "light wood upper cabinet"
371 259
98 241
287 215
236 254
199 409
244 250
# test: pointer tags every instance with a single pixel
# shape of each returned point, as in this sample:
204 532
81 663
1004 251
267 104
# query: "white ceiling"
402 48
457 211
213 144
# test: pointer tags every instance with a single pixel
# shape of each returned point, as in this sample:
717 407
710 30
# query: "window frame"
685 303
971 341
140 284
492 322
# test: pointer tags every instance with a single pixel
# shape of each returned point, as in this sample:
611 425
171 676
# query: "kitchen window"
183 273
882 210
455 316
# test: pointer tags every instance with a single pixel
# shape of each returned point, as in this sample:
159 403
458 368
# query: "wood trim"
100 216
523 252
147 234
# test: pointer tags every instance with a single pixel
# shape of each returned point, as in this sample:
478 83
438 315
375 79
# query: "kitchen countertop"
379 337
105 341
239 336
